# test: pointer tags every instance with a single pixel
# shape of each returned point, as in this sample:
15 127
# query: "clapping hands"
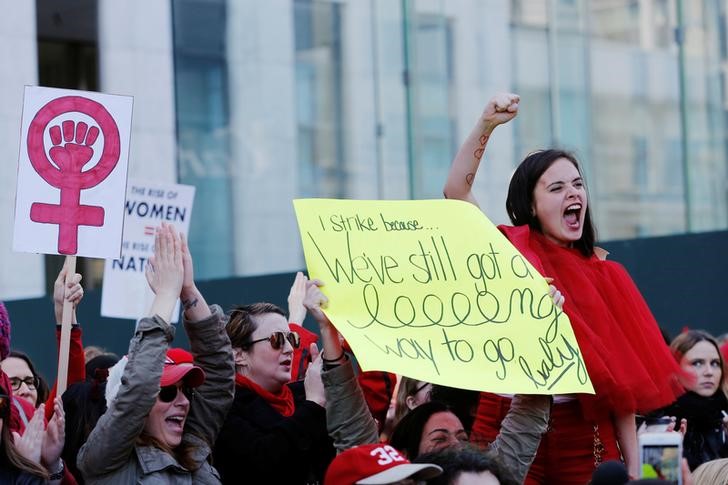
165 271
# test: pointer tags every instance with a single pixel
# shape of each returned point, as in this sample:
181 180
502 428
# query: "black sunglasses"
420 387
277 340
169 393
4 406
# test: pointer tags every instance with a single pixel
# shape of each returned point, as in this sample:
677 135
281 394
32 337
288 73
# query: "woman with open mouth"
165 407
627 360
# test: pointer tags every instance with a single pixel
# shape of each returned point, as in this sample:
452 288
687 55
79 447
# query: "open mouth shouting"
572 216
176 423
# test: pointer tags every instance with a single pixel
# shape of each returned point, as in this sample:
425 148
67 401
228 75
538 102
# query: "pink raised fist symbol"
73 148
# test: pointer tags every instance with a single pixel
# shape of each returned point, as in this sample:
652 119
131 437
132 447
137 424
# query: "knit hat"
113 381
376 464
4 332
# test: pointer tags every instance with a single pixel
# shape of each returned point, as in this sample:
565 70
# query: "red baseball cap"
179 365
376 464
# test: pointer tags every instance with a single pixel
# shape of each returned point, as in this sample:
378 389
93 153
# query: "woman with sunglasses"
276 430
156 429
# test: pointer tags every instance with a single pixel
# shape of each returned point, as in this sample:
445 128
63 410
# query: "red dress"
628 361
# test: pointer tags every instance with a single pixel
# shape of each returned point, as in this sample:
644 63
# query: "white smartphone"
661 456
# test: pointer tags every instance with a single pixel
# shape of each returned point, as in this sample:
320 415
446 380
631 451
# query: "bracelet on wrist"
343 354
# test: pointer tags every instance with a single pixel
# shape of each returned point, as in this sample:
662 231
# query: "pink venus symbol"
72 150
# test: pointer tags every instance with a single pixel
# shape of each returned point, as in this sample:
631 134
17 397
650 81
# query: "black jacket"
259 445
705 438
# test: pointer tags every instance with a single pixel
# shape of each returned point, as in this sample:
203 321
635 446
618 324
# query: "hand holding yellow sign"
432 290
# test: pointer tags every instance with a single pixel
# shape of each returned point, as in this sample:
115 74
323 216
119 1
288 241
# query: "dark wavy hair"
465 459
84 403
41 389
407 433
519 203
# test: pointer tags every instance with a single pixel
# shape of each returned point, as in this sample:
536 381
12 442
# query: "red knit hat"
179 365
4 332
376 464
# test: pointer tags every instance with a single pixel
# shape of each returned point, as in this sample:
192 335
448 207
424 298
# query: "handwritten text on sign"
432 290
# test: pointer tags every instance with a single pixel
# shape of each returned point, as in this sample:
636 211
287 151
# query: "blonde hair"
407 387
17 460
714 472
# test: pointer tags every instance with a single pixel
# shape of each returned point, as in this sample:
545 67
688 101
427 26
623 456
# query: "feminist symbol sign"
72 172
70 155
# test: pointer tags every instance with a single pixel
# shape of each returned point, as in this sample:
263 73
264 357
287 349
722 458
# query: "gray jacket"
111 454
348 419
521 431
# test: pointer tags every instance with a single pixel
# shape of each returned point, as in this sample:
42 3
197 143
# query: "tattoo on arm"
187 304
478 153
469 178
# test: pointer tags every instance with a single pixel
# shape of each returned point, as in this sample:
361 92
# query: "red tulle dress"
628 361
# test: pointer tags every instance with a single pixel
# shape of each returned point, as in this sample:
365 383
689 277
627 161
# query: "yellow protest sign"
432 290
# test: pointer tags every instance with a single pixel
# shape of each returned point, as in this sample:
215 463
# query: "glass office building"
270 100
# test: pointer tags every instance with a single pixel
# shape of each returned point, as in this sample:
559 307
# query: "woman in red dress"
628 361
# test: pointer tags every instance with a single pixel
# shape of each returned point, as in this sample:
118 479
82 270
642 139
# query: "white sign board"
74 153
126 293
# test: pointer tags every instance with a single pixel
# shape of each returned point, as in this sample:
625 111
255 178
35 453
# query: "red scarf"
281 401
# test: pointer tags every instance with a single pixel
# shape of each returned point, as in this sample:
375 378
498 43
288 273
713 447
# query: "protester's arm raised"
520 433
112 441
71 291
296 310
314 301
500 109
348 418
165 272
210 346
193 303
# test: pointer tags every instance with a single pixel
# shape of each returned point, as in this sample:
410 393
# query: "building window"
203 131
431 84
319 101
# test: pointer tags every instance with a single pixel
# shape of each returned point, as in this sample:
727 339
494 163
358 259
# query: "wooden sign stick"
62 379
